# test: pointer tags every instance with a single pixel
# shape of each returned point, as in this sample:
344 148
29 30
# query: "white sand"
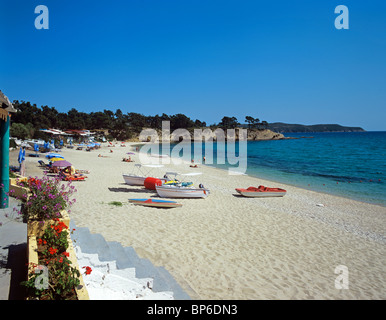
231 247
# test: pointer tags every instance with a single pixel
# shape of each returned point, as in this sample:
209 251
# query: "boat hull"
166 191
155 203
133 180
261 192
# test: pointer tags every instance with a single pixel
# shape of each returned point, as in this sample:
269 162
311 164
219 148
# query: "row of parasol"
58 160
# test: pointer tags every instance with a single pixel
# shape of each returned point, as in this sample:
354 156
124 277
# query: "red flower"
52 251
41 241
88 270
66 254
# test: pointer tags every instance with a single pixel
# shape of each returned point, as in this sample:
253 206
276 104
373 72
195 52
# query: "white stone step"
107 282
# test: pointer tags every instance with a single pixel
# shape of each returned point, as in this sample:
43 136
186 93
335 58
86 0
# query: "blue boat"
155 203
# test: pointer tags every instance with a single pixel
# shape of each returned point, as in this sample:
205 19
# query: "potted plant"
53 271
49 199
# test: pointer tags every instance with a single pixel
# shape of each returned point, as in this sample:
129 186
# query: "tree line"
29 118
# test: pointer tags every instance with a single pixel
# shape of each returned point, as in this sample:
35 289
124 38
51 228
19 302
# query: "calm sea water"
349 164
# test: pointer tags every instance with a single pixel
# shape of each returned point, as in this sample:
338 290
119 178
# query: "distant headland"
291 128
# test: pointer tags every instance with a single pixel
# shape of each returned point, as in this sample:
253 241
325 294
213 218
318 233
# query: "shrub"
49 197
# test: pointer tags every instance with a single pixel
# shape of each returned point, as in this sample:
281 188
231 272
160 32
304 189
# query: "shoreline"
271 183
231 247
270 180
274 180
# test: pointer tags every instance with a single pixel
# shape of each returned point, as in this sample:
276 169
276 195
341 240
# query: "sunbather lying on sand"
67 176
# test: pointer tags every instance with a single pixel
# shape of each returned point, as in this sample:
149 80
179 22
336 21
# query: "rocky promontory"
153 135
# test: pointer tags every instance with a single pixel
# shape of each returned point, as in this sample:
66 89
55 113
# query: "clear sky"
274 60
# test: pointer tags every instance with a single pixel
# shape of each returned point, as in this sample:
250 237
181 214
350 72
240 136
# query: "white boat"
177 191
138 178
133 180
181 190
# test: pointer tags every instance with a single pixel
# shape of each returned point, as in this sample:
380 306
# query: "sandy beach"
230 247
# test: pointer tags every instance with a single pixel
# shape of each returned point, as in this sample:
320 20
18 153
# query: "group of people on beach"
195 165
127 159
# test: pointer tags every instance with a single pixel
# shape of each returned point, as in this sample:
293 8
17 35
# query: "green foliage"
19 130
49 197
116 203
29 119
62 277
252 122
228 123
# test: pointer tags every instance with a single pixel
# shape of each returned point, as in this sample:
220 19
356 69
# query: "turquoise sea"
348 164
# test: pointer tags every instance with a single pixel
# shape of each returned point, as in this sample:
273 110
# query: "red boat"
261 191
155 203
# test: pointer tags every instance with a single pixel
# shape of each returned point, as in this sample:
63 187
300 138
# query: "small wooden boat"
178 191
155 203
138 178
133 180
261 191
181 189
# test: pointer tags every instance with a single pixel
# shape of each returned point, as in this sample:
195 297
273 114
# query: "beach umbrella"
130 153
36 147
54 155
56 159
61 163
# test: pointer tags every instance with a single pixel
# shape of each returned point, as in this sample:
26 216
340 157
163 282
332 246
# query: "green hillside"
286 127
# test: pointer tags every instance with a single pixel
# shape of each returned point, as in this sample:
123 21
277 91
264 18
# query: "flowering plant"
49 197
62 278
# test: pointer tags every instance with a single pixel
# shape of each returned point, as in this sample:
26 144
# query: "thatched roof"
5 103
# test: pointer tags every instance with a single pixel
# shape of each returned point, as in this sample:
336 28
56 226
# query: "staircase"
119 273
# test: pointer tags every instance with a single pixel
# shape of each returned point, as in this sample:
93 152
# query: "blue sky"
274 60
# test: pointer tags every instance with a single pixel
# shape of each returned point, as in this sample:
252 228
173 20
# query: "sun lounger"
43 164
81 171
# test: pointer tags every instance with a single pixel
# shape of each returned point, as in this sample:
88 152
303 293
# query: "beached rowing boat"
155 203
137 178
182 189
261 191
178 191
